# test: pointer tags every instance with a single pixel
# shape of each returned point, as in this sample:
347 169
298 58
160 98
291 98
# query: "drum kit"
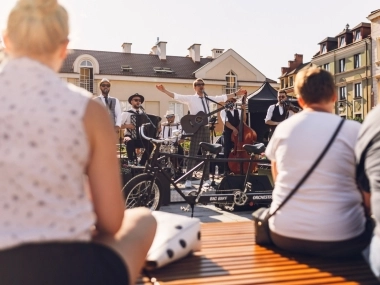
171 147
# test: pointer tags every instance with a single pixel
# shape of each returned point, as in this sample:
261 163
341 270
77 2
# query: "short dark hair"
314 85
282 91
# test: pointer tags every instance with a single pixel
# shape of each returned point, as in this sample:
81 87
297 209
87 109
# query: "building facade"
348 57
374 17
129 73
288 74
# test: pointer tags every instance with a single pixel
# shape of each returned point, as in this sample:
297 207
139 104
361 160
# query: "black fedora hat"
136 95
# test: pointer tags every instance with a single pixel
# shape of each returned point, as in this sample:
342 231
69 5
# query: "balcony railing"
88 84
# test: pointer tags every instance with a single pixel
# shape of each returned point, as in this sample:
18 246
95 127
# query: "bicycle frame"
154 167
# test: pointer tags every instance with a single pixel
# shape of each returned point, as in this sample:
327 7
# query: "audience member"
325 216
53 229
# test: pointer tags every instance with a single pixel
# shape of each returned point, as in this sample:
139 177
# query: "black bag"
261 216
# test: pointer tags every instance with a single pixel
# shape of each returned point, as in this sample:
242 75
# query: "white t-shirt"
327 207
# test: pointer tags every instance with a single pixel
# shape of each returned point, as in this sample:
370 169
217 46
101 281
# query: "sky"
266 33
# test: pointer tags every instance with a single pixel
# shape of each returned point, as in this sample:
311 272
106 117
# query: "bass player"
196 103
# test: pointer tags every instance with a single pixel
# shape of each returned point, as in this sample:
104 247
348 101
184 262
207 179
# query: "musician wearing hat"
112 104
130 130
167 129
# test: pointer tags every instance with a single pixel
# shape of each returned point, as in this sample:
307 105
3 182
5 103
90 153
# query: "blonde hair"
37 27
314 85
197 80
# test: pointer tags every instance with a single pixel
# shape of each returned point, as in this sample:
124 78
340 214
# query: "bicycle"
146 190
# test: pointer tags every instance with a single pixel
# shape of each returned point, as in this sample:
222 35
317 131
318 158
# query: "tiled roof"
362 24
328 39
142 64
344 32
374 12
298 68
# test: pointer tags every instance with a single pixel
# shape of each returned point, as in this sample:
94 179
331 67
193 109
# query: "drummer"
167 129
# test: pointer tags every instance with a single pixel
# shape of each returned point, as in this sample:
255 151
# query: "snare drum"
173 149
165 148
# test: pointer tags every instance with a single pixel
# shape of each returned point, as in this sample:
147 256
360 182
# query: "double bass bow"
245 136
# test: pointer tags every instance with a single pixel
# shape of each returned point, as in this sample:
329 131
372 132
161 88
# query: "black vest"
277 117
234 120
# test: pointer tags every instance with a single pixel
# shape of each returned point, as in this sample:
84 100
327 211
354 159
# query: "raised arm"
161 88
237 93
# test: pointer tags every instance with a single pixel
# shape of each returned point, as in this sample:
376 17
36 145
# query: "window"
357 61
324 48
282 83
231 82
378 49
124 105
326 66
342 65
342 93
342 41
357 36
177 108
166 70
86 76
291 81
358 90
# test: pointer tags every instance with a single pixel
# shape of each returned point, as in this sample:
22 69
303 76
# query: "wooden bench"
230 256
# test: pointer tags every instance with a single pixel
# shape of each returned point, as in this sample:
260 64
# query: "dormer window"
342 41
357 36
166 70
324 48
126 68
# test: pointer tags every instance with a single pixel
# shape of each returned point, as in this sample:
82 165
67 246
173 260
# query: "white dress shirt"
280 109
223 114
195 103
117 109
126 119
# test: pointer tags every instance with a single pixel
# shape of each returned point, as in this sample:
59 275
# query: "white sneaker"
188 184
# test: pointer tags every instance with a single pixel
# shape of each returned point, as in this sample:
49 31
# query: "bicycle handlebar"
141 129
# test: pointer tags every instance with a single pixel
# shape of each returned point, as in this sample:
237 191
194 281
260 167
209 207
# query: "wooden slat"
230 256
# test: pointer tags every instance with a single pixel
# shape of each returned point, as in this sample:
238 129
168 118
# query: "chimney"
126 47
298 58
195 52
161 50
216 52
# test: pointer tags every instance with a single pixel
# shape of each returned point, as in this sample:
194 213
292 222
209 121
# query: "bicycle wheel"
137 193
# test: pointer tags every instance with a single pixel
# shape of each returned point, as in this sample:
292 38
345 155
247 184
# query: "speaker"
165 185
259 182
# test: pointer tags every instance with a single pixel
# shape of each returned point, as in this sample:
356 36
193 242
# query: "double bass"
245 136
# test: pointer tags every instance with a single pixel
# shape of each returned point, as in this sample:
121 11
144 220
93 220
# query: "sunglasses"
137 100
200 84
282 97
105 85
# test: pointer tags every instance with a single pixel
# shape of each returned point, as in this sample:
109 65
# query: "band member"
196 103
130 141
279 112
167 129
112 104
231 120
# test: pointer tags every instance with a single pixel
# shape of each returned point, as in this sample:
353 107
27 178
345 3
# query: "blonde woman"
53 230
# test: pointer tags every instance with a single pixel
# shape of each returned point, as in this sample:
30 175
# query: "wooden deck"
229 256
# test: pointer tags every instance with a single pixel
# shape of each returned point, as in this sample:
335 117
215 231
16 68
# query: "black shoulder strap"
311 168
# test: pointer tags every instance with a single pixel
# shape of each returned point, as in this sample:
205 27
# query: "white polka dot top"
43 154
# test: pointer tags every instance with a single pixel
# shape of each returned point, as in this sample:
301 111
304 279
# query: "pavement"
206 213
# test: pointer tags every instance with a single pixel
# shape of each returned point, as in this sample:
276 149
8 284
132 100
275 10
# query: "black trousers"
133 144
228 145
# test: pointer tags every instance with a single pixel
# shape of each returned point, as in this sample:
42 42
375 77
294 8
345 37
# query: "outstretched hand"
160 87
241 92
